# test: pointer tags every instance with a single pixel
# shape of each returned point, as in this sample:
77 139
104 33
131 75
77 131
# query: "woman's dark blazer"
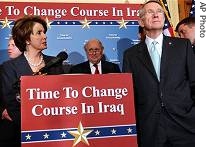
12 70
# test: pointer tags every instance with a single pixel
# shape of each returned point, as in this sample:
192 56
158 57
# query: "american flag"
168 27
192 10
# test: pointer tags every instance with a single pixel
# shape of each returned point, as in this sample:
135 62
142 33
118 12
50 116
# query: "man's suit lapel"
166 49
103 67
145 58
87 67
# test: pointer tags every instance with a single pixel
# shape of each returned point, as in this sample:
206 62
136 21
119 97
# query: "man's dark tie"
96 71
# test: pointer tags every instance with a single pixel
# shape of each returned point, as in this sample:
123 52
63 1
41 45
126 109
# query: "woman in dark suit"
29 34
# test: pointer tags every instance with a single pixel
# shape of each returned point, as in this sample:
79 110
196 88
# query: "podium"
78 110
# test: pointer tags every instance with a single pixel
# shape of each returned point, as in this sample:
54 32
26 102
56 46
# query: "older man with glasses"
163 71
95 65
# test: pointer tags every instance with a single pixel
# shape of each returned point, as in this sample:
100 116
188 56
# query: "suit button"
162 104
161 95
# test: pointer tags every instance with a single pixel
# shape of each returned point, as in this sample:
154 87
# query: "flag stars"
63 135
97 132
122 23
28 137
46 136
48 23
6 23
129 130
192 9
85 23
80 135
113 131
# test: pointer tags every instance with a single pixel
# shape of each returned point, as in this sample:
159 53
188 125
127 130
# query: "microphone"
59 58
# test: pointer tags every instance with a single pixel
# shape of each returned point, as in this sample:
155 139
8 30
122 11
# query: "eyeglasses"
92 51
152 12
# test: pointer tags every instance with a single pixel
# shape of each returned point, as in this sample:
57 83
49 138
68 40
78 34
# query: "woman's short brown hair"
23 28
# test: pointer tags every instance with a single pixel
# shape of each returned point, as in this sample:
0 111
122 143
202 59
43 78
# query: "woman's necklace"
32 64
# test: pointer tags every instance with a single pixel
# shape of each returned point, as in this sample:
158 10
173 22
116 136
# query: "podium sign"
78 110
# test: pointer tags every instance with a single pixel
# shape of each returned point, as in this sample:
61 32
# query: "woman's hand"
5 115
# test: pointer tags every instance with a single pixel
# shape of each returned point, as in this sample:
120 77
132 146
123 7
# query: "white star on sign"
97 132
28 137
113 131
63 135
129 130
46 136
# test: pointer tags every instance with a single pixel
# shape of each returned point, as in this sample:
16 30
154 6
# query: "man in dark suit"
6 127
95 65
7 135
164 92
186 29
